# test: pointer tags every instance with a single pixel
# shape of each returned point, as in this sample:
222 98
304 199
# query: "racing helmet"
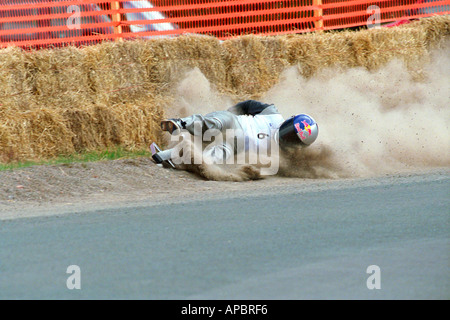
298 130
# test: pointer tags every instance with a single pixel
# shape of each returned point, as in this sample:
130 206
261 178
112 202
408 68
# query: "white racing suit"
253 124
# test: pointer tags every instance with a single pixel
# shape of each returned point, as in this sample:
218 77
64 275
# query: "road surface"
289 244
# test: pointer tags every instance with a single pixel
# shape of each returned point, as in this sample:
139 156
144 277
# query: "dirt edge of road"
80 187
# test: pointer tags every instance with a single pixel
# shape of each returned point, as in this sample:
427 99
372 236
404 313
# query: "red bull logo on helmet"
307 127
302 132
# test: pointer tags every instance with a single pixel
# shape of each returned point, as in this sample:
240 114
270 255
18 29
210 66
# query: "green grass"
91 156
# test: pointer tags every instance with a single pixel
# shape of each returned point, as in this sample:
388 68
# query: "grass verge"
91 156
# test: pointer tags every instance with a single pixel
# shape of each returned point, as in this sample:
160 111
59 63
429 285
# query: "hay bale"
370 49
132 126
94 127
33 135
140 123
254 64
75 99
64 100
315 51
16 79
435 29
116 73
59 79
165 60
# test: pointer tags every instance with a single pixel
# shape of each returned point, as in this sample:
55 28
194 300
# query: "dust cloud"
370 122
195 94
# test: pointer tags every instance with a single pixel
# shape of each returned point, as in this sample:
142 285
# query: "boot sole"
169 125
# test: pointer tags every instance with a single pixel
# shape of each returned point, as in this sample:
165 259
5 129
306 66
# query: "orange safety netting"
42 23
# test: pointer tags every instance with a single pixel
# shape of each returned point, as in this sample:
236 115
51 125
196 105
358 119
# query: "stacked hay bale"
371 48
253 64
70 100
60 101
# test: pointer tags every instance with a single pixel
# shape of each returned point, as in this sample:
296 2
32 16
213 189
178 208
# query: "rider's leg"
197 124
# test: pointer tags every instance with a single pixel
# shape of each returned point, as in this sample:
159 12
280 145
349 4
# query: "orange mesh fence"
344 14
43 23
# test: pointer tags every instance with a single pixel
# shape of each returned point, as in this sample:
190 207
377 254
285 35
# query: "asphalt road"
292 245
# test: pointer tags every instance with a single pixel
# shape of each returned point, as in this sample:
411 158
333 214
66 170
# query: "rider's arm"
252 107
